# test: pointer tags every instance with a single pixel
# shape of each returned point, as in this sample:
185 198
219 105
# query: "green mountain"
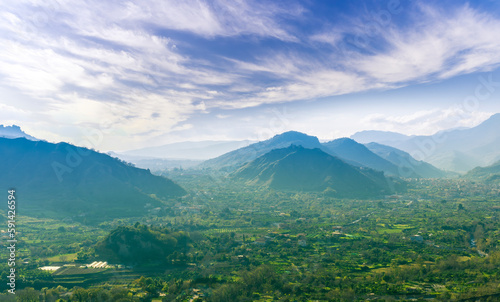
296 168
63 179
488 174
406 164
237 158
359 155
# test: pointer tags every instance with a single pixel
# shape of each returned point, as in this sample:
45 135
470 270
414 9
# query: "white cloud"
426 122
330 37
204 18
439 45
82 62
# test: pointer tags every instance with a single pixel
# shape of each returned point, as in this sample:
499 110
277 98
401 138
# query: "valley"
285 219
308 245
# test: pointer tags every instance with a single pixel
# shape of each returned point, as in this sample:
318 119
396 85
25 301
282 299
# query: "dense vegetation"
437 241
140 244
489 174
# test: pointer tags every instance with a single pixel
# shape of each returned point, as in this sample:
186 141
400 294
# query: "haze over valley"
250 150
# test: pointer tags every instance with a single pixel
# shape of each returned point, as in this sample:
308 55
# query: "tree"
28 294
80 294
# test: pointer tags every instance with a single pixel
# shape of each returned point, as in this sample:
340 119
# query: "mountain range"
439 155
458 150
62 179
396 164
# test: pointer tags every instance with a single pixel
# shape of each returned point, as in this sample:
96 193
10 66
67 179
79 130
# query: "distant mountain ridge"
14 132
296 168
383 137
71 181
456 150
392 161
407 166
359 155
155 164
202 150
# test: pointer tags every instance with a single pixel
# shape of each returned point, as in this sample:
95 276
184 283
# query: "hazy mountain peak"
368 136
290 136
14 131
344 141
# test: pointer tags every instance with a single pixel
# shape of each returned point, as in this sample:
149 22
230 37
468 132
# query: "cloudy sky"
118 75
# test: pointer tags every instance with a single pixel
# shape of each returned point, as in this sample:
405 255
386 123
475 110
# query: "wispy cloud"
142 67
426 122
439 45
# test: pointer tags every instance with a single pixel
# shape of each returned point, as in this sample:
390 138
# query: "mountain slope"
244 155
359 155
296 168
487 174
407 165
70 180
456 150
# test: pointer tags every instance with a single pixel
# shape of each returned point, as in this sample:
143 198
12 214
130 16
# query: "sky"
121 75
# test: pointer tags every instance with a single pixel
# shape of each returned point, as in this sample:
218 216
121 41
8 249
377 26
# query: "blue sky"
120 75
